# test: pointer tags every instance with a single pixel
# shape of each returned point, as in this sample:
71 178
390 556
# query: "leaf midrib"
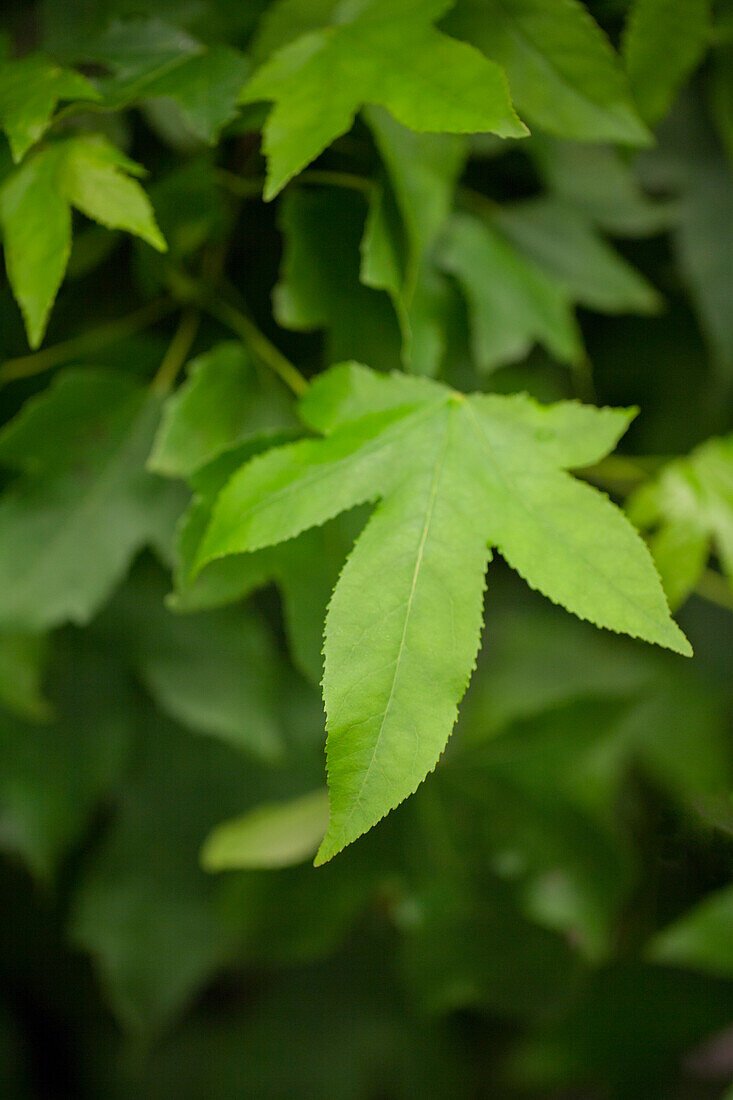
435 480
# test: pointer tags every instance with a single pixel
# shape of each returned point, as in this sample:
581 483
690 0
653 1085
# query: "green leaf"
144 910
21 660
561 240
30 89
86 172
305 569
663 42
704 243
511 301
319 284
658 1015
422 171
214 672
633 708
456 476
372 54
224 399
83 504
151 59
702 939
284 21
279 834
600 183
470 947
689 509
55 775
94 180
562 71
36 225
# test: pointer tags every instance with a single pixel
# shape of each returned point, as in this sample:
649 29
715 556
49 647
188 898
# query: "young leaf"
689 510
511 301
562 71
664 41
456 475
223 400
83 504
30 89
86 172
373 53
279 834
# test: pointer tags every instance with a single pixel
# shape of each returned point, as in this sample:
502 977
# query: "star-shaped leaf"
375 52
456 476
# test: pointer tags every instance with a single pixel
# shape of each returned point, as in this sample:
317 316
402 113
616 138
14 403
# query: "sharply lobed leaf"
562 71
570 250
151 59
86 172
512 302
372 53
457 476
663 42
689 510
83 504
30 89
305 569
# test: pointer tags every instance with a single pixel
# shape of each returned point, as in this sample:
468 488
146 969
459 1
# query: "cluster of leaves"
500 240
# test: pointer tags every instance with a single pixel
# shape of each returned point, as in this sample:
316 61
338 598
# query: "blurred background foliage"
551 915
